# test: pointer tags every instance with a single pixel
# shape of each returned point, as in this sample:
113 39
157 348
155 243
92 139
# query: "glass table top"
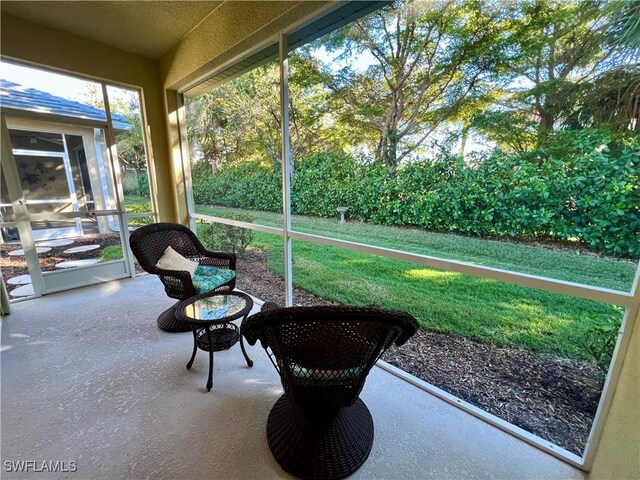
215 307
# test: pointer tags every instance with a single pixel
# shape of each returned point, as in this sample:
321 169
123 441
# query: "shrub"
321 184
227 238
141 208
582 185
600 342
135 183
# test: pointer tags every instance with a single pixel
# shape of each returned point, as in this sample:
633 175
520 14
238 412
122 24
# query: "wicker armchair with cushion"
186 269
320 428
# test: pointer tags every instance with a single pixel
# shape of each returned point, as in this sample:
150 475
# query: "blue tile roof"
13 95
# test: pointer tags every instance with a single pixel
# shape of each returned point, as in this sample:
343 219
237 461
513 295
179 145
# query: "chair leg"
319 445
168 322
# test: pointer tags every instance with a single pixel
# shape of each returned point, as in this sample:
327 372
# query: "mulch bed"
254 277
552 397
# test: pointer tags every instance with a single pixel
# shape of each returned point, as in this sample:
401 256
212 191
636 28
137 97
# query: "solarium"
221 40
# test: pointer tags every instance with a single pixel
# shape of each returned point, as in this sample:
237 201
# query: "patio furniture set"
319 428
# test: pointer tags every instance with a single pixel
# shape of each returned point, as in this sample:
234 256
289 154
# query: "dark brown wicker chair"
149 243
320 428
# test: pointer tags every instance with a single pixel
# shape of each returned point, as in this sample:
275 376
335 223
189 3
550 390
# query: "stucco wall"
233 28
618 455
41 45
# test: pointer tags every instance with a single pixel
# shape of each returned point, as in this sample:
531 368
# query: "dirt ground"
14 266
552 397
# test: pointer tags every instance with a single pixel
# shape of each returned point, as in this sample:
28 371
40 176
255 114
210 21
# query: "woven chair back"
148 243
324 354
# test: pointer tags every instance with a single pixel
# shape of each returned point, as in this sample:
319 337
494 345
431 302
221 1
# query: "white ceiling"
148 28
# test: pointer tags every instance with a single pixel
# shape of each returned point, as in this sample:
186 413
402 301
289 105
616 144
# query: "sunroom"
170 61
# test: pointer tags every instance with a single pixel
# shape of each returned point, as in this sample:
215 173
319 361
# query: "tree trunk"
464 136
392 148
547 121
212 156
390 135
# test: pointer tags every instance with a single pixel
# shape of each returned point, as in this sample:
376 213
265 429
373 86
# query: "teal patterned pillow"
206 279
328 376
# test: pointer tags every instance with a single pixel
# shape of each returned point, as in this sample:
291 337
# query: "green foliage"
240 120
582 185
248 185
142 207
553 49
143 184
600 340
611 101
625 25
227 238
138 205
513 131
136 183
130 144
432 61
319 183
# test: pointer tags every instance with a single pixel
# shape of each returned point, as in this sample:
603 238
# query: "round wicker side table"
210 316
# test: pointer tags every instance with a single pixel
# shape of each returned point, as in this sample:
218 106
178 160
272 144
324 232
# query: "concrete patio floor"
88 377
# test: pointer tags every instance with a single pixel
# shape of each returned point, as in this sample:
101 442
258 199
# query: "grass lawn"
483 309
110 253
561 265
131 200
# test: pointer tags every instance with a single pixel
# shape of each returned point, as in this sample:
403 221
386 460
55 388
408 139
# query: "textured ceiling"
147 28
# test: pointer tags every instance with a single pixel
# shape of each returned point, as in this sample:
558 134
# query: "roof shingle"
13 95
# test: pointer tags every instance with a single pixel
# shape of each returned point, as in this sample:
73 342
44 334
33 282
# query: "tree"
624 28
612 99
556 46
216 125
512 130
130 143
431 58
241 119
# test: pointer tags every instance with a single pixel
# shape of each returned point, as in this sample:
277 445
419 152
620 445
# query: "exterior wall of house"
30 42
618 454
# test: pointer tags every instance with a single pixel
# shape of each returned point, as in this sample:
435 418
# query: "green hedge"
582 186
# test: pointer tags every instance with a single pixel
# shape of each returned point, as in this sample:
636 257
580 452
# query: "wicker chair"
148 244
320 428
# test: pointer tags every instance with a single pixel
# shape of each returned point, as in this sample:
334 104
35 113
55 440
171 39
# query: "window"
77 146
465 203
